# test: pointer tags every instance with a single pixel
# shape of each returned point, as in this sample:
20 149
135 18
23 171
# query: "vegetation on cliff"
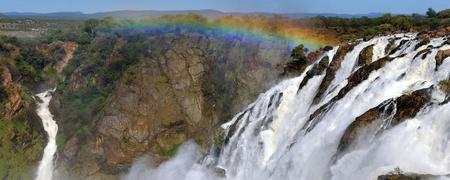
128 91
21 134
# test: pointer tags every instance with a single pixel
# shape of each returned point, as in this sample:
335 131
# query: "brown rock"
14 102
441 56
365 57
334 66
407 106
71 148
61 62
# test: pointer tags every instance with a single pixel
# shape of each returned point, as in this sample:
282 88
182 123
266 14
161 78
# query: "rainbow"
249 31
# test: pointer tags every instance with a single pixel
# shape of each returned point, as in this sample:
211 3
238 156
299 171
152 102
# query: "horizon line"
187 10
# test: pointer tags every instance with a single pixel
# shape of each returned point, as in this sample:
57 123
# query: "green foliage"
443 14
299 52
11 40
90 25
402 22
100 63
28 71
33 57
347 37
431 13
4 48
388 23
20 148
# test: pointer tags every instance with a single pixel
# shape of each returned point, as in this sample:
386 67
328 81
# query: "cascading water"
45 169
291 132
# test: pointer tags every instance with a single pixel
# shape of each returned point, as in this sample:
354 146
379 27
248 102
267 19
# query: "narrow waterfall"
45 169
383 115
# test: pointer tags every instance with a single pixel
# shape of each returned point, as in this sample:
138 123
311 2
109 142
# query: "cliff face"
21 134
24 66
182 88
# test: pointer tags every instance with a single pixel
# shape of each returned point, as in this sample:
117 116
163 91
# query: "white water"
45 169
270 141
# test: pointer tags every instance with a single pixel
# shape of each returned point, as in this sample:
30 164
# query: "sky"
275 6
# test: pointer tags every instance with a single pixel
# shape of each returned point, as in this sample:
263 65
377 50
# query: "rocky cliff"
26 67
22 137
178 88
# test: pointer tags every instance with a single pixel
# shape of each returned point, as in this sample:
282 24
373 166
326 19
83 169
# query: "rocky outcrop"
184 88
13 102
317 69
365 57
21 134
355 78
333 67
410 177
62 54
441 56
434 34
386 115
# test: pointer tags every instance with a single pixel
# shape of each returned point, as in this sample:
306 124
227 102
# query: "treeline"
352 28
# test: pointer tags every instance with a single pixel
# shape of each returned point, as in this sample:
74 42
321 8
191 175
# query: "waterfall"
45 169
361 127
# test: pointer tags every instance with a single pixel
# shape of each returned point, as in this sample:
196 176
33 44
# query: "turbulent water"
292 132
45 169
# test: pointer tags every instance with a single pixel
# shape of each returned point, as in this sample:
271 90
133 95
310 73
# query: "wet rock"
314 71
219 172
365 57
411 176
402 43
361 75
333 67
390 46
296 67
441 56
406 107
422 43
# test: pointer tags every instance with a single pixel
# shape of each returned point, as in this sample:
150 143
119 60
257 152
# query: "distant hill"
130 14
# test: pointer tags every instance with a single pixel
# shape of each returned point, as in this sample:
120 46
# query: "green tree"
431 13
443 14
299 52
90 25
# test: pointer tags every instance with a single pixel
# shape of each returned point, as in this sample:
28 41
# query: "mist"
184 166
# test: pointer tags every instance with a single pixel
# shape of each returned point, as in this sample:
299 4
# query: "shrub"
299 52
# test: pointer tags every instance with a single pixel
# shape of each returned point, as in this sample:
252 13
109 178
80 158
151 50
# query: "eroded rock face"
402 108
333 67
22 137
182 90
65 56
409 177
441 56
365 57
14 102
